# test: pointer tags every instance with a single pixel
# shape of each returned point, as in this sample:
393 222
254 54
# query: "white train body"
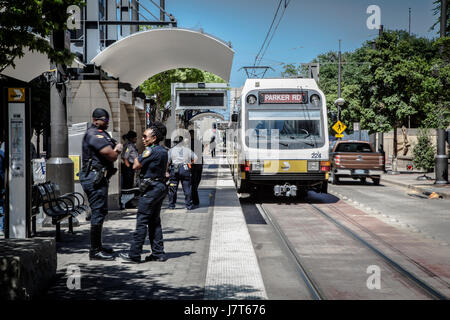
280 137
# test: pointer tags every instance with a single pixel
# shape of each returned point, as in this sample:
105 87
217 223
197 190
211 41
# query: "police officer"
130 153
180 162
99 153
197 169
153 165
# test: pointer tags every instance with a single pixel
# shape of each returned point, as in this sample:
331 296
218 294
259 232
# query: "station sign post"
16 108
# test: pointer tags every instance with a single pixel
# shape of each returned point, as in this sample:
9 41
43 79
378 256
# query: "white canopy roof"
31 65
140 56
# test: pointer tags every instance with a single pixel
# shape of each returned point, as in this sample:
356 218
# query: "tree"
28 23
424 152
159 85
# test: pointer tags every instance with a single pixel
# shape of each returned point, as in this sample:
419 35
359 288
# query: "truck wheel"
334 178
376 181
363 180
324 188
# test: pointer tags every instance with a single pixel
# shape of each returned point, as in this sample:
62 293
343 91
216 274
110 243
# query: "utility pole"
409 23
441 161
339 80
59 166
162 4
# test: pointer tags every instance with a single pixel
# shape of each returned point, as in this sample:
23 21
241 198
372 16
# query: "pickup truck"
357 160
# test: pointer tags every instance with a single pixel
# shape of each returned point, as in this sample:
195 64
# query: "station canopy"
142 55
207 114
28 67
32 65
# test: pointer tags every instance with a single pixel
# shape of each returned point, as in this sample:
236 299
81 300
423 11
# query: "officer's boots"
98 252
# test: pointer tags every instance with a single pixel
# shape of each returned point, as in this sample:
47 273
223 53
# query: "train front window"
294 129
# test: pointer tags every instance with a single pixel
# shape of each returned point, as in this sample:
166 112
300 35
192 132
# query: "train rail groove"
312 284
434 293
315 291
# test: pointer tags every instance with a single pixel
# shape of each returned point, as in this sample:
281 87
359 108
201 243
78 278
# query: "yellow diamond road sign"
339 127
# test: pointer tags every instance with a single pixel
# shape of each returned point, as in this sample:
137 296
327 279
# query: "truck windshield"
296 129
353 147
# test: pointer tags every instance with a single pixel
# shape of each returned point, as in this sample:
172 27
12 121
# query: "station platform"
209 252
417 183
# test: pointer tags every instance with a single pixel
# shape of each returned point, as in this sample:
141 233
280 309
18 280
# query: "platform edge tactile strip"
233 271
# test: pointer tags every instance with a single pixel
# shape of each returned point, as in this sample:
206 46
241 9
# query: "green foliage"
390 80
424 151
27 23
159 84
292 70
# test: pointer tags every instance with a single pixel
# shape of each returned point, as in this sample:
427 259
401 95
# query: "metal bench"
127 195
79 204
58 208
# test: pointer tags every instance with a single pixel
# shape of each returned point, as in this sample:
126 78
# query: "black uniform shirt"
94 140
154 162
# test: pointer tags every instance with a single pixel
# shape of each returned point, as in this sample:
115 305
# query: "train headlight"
313 165
251 99
315 99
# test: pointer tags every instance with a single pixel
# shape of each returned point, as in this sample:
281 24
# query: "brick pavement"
187 237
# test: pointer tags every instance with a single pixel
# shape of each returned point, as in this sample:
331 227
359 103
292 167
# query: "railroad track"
312 282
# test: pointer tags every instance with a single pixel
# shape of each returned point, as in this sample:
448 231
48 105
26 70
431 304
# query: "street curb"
424 190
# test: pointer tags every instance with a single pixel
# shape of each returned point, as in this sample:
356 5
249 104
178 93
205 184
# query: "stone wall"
27 267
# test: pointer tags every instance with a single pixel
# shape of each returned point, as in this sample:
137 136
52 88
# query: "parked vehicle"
357 160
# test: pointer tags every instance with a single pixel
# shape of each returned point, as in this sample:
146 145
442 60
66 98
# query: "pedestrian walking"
212 145
128 156
99 152
180 163
153 189
197 169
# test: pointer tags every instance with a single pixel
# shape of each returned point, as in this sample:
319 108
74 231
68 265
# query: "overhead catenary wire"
273 33
268 33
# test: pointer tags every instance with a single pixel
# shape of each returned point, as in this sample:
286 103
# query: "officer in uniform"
130 153
99 153
197 169
153 165
180 163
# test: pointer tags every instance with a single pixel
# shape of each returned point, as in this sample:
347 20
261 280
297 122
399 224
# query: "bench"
59 207
128 195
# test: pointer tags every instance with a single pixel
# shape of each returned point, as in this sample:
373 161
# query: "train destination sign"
283 97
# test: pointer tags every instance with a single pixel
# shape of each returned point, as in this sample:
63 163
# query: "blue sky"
308 27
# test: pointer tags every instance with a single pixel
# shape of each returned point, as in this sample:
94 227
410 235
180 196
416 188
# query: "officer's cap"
100 113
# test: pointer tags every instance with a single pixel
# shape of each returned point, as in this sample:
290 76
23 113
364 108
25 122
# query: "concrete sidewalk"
209 251
426 187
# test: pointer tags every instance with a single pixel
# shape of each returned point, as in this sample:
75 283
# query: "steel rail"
313 288
421 284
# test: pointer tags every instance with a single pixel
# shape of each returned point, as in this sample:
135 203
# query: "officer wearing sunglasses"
100 151
153 165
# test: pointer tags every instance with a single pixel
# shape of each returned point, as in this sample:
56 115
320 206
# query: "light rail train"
278 137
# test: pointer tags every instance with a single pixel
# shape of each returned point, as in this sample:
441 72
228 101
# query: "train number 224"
316 155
